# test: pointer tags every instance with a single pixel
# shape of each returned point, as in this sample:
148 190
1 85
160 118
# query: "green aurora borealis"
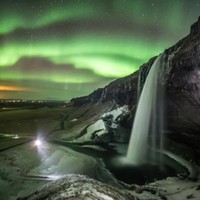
61 49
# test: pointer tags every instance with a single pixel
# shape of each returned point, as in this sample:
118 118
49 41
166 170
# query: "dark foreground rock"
78 187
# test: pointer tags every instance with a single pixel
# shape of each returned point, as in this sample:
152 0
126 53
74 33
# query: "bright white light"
38 142
16 137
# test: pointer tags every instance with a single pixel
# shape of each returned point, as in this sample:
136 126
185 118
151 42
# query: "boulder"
78 187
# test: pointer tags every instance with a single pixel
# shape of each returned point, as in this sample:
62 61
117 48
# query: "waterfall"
148 119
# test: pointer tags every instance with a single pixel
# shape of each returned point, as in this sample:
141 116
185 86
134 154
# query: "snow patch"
98 128
74 120
98 125
117 112
177 189
104 196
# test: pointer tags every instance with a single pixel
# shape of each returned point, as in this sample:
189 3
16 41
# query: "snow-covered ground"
176 189
116 113
25 168
99 128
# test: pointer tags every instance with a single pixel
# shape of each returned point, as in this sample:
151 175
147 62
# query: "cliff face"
182 82
183 85
121 91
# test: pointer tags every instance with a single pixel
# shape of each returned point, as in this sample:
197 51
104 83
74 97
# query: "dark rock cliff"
182 85
121 91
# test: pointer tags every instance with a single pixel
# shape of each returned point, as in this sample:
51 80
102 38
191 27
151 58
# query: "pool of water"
114 162
145 173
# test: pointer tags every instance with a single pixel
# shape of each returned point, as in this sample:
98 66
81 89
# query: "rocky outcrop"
79 187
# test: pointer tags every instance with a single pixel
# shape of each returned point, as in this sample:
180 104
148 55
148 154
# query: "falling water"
148 119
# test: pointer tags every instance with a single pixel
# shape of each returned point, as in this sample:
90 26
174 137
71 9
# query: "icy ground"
29 168
176 189
25 168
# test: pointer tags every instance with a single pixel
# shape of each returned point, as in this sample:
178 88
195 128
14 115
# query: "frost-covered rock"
93 132
78 187
117 112
103 130
115 115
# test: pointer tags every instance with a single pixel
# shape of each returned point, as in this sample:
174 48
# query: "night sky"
59 49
